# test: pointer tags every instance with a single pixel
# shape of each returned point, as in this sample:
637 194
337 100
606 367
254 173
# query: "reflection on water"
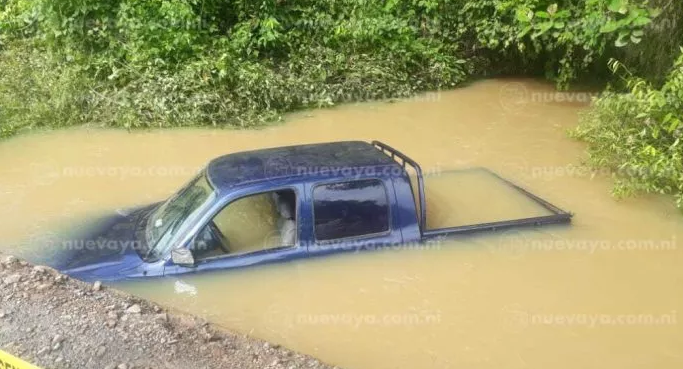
604 292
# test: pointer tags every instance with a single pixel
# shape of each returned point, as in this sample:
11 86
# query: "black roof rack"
557 215
418 171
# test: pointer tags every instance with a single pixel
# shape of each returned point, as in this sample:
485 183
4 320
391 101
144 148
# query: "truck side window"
253 223
350 209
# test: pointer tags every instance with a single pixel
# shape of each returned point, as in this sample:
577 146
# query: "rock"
208 335
39 269
112 315
122 366
59 359
110 366
11 279
97 286
100 351
43 286
9 260
43 351
134 309
162 318
57 339
111 323
2 314
56 346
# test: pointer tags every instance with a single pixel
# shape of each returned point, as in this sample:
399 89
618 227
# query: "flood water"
601 293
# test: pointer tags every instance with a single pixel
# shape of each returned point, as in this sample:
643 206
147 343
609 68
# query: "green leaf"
544 27
641 21
635 39
542 14
609 27
524 31
620 42
615 5
390 5
523 15
552 9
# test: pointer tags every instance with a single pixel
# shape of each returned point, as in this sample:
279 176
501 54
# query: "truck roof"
282 163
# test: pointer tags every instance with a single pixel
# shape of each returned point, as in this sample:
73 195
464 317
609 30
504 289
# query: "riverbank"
54 321
136 65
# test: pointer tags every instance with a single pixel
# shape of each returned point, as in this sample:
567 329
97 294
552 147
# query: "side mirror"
182 257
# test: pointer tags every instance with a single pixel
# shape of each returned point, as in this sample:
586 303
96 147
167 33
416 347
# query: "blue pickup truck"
274 205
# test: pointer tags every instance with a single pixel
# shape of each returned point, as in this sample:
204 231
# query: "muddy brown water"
603 292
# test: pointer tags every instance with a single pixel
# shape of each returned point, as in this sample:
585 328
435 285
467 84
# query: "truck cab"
292 202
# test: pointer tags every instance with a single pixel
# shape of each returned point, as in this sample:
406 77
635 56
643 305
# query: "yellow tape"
8 361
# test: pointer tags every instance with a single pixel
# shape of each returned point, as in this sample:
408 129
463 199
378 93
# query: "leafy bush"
567 36
653 57
638 135
185 62
132 63
35 91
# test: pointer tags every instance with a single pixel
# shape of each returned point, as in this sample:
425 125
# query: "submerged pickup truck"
277 204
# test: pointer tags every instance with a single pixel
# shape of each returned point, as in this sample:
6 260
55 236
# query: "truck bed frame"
557 215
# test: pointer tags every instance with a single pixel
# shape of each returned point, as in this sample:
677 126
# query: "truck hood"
110 249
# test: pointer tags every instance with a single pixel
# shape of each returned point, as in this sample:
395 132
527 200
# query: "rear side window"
350 209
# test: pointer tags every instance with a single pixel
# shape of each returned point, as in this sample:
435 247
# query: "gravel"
53 321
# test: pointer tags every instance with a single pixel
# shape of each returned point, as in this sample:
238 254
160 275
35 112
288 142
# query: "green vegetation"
635 128
638 135
165 63
238 63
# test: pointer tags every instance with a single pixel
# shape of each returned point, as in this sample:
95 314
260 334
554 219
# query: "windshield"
176 214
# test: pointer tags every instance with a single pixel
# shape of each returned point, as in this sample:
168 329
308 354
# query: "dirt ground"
53 321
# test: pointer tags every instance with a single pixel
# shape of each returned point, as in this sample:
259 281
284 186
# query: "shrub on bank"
165 63
638 135
38 91
223 63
